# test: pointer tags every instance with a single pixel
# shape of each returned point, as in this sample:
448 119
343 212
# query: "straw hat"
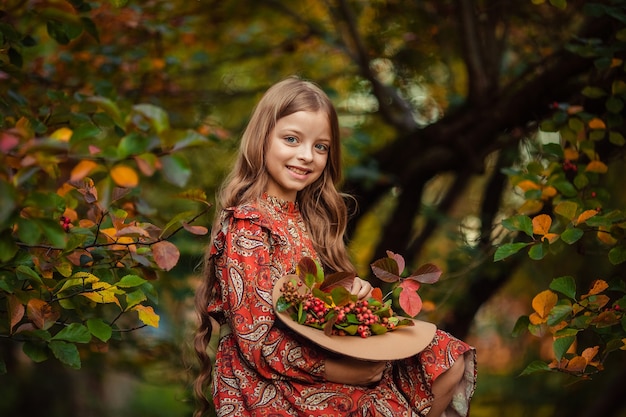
400 343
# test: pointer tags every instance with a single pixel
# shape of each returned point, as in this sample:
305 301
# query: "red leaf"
386 269
342 279
409 300
377 294
399 260
196 230
165 254
41 313
426 274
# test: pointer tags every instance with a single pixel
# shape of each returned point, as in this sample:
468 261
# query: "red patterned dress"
263 369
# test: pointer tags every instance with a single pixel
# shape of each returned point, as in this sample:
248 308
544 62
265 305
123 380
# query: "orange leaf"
196 230
585 215
548 192
590 353
551 237
82 169
605 237
596 123
41 313
16 311
570 154
576 364
165 254
597 166
544 302
377 294
541 224
599 286
124 176
526 185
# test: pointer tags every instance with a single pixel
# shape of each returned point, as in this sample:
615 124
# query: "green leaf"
521 325
507 250
176 169
133 144
135 297
617 255
66 352
539 250
519 222
566 188
75 332
53 231
157 117
26 273
98 328
593 92
561 345
558 314
3 367
35 351
567 209
129 281
561 4
572 235
536 366
614 105
28 231
616 138
8 248
566 285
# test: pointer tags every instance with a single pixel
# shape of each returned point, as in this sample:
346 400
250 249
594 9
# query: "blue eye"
322 147
291 139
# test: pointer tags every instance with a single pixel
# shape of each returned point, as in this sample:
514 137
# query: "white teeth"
298 171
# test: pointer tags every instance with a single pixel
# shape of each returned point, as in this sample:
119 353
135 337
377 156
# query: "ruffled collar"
279 204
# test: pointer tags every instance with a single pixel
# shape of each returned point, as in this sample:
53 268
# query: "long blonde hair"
322 206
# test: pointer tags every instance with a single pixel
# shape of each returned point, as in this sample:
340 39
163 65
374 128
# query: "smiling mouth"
299 171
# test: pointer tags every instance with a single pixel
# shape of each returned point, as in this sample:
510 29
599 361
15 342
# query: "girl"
278 205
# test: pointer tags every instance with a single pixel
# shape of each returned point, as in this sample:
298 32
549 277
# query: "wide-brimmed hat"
400 343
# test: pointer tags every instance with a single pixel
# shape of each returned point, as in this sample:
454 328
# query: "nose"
306 154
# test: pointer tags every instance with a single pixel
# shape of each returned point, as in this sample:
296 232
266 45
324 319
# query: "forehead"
315 124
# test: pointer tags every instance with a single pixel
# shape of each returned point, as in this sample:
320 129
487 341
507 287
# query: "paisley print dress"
263 369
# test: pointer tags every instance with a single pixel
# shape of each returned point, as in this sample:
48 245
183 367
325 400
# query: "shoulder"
249 212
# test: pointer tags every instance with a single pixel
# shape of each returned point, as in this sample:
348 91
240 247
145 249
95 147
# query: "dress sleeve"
247 276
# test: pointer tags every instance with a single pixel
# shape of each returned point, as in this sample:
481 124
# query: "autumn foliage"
80 241
565 201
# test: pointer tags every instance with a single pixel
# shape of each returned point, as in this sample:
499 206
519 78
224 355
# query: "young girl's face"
297 153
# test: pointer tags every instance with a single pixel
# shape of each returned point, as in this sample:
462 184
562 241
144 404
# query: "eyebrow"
298 132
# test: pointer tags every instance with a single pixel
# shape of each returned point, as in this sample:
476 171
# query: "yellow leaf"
82 169
624 344
597 166
585 215
530 207
541 224
543 303
596 123
63 134
570 154
526 185
41 313
147 315
103 293
605 236
124 176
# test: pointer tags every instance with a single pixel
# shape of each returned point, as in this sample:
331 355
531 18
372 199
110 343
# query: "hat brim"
400 343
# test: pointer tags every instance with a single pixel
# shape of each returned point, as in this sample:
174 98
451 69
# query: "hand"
351 371
361 288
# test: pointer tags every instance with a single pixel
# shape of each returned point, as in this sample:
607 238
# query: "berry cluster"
362 318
